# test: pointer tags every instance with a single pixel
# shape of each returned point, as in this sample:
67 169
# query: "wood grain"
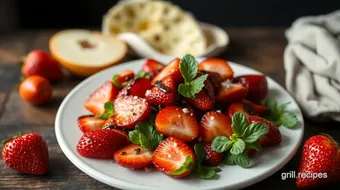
258 48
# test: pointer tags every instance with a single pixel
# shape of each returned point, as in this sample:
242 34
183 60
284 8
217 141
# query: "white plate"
264 164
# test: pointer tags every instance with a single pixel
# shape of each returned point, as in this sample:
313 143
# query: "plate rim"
97 175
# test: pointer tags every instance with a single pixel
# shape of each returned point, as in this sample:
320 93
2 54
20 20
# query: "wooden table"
258 48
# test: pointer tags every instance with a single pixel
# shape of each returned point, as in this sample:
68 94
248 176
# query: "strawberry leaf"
109 110
221 144
238 147
187 165
254 131
278 115
239 123
288 120
188 67
146 135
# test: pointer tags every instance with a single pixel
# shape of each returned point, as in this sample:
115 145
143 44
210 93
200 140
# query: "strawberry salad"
182 118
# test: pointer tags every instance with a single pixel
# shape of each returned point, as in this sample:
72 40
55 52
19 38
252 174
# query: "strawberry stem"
330 137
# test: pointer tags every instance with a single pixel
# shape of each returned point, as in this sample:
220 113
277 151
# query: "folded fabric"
312 64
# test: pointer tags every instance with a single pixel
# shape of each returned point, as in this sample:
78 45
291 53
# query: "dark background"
88 13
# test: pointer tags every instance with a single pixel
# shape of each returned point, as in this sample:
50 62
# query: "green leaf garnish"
238 147
240 159
254 131
117 83
239 123
278 114
187 165
142 74
146 135
204 172
199 151
192 85
109 110
221 144
254 145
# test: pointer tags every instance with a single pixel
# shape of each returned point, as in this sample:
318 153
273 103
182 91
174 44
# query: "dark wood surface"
259 48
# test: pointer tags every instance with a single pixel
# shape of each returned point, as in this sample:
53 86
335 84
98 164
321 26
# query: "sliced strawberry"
259 109
257 85
219 66
214 124
126 76
273 137
163 92
214 78
239 107
211 157
129 110
101 143
133 156
111 122
172 69
90 123
171 155
106 92
177 122
152 67
231 92
205 99
136 87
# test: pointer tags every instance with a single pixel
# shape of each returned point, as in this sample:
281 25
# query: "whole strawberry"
40 63
320 156
27 154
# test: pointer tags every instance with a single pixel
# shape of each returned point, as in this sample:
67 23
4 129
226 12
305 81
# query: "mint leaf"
187 165
239 123
282 108
109 110
230 159
188 67
221 144
254 145
145 135
117 83
205 172
185 90
238 147
240 159
255 131
289 120
142 74
271 104
199 151
198 83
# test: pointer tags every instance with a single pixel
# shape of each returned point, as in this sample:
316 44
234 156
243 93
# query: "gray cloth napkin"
312 64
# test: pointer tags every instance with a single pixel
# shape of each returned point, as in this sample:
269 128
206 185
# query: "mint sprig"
192 85
245 137
109 110
204 172
278 114
146 135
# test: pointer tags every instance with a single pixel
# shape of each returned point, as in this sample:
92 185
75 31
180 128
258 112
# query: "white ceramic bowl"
264 164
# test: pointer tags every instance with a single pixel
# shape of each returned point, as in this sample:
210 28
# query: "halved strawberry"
172 69
231 92
106 92
152 67
163 92
214 78
133 156
214 124
177 122
90 123
136 87
171 155
219 66
101 143
257 85
205 99
126 76
111 122
273 137
129 110
239 107
212 157
259 109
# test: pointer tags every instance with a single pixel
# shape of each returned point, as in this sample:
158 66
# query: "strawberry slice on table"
219 66
320 156
211 157
177 122
174 158
258 109
172 69
106 92
162 93
273 137
136 87
133 156
27 154
205 99
101 144
231 92
152 67
257 85
129 110
214 124
90 123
